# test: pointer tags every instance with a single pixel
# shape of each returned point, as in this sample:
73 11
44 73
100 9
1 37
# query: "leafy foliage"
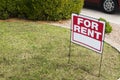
40 9
108 27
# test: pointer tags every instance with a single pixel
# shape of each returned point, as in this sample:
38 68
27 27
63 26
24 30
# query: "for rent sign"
88 32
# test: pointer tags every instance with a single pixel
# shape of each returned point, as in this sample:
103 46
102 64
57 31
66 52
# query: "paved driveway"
96 13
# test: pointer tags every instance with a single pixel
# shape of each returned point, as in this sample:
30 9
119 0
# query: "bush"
3 12
7 8
40 9
108 27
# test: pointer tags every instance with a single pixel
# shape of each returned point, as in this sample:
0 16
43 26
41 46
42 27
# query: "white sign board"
88 32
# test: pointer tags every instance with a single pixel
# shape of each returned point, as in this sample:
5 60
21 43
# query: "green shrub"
4 15
12 8
50 10
3 12
7 8
40 9
108 27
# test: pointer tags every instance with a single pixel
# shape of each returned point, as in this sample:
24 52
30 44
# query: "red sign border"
83 44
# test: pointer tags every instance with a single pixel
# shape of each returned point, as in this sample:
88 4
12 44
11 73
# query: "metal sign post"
69 55
101 59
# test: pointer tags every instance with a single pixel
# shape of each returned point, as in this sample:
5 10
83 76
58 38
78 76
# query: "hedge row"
108 27
40 9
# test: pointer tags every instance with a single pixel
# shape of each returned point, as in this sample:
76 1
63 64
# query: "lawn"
34 51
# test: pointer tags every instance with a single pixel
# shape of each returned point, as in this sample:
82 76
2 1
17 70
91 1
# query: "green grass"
32 51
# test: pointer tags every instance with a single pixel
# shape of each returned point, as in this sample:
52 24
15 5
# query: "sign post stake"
101 59
69 55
